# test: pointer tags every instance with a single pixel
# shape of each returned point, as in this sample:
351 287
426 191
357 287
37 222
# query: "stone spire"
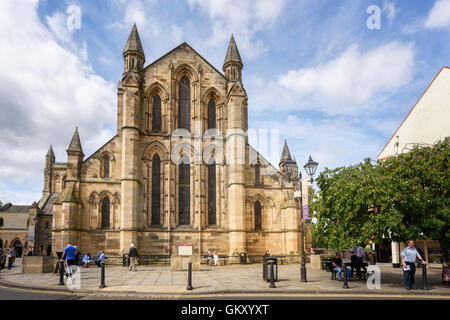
232 53
133 55
285 155
134 42
50 153
75 143
232 66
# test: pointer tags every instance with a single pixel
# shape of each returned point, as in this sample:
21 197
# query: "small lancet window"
106 167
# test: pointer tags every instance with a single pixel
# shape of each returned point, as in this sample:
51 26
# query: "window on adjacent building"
258 220
211 114
156 113
106 210
184 176
211 194
184 117
1 222
156 190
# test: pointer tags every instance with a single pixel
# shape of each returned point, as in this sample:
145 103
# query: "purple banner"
305 212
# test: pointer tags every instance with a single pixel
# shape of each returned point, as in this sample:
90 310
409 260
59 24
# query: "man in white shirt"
409 256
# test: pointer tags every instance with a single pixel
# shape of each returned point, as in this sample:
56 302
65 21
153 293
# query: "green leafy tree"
404 197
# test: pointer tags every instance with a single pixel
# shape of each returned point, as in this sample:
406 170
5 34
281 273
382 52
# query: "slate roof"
15 208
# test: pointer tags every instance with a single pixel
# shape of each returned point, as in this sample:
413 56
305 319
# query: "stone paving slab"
216 280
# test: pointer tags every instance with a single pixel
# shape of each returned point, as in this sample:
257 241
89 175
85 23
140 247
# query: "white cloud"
390 9
46 90
244 18
439 15
352 79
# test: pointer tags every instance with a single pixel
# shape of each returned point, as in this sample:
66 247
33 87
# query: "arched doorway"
17 245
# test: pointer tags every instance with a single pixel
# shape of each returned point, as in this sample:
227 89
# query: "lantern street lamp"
310 168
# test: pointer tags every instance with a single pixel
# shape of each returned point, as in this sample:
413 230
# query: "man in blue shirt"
100 258
69 256
409 256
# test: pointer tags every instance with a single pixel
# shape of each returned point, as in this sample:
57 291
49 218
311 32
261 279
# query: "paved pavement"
159 281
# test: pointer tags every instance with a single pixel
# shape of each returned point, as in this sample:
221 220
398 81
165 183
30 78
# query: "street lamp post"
310 168
298 196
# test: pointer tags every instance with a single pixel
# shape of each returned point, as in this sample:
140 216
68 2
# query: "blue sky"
313 70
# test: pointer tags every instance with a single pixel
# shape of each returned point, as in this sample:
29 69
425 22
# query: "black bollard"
344 274
424 277
189 285
102 275
61 272
9 263
272 276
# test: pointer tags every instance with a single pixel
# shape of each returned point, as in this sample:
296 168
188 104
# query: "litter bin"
125 261
243 258
266 268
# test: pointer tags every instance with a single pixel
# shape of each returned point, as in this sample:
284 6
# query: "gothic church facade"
146 187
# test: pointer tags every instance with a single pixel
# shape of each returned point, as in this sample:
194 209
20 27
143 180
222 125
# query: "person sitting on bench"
209 258
216 259
336 261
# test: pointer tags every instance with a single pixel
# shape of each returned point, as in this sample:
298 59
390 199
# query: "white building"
426 123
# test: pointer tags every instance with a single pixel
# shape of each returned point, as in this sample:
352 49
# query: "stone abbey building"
162 181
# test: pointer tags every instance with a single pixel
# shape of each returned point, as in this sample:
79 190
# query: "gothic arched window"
106 166
211 194
258 220
211 114
106 209
184 117
184 192
156 190
156 113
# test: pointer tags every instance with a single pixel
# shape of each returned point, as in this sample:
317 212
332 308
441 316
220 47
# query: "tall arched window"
184 117
258 220
1 222
156 113
106 209
211 114
106 166
211 194
156 190
184 192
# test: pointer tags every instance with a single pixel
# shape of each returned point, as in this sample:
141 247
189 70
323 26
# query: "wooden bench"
146 260
328 267
280 258
224 260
